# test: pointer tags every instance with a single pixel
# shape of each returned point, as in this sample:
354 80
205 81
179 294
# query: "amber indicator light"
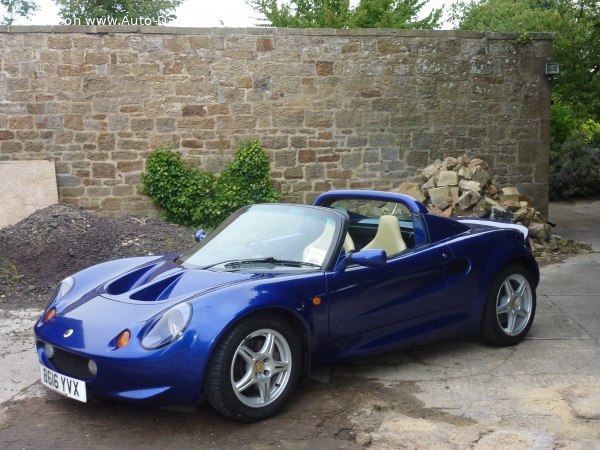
317 301
50 314
123 338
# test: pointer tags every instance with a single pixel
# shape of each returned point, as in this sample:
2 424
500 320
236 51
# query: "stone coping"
92 29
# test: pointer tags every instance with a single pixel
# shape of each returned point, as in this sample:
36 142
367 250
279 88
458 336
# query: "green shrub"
194 197
575 169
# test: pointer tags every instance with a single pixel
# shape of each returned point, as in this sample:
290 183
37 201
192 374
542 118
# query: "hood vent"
130 280
160 290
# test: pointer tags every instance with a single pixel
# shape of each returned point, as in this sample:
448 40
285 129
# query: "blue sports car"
280 288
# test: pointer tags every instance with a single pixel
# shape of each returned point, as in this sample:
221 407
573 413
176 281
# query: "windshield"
269 237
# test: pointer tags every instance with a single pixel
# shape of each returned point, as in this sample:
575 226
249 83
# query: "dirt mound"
52 243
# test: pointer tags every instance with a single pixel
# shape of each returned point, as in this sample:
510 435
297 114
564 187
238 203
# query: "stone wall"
333 108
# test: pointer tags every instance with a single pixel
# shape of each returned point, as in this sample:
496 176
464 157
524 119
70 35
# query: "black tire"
230 364
508 314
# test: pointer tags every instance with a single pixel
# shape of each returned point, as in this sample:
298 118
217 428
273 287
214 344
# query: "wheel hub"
261 368
513 305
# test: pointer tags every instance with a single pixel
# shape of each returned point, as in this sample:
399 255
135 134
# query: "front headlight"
169 327
62 289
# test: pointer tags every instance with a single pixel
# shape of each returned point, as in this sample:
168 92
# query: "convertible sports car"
278 289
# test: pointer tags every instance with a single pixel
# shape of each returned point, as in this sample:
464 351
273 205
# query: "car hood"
166 280
133 294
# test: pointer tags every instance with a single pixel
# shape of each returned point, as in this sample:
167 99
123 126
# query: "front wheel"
254 369
510 307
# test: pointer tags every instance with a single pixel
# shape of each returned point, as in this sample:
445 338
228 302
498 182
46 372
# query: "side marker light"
123 338
50 314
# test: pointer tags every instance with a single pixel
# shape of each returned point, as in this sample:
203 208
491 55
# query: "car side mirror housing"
200 235
367 258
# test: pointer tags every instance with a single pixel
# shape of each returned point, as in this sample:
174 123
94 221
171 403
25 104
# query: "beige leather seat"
316 251
349 244
388 236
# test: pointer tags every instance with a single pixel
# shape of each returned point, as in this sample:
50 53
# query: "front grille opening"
70 364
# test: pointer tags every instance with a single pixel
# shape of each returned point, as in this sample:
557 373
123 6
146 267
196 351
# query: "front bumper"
172 375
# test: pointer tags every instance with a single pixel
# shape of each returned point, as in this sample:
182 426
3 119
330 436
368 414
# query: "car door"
373 305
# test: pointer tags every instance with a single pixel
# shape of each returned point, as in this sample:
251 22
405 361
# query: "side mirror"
367 258
200 235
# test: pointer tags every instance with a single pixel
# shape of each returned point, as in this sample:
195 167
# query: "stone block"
468 199
339 174
454 194
431 170
192 143
219 144
293 173
510 196
68 70
324 68
97 58
217 109
103 170
165 124
20 122
482 208
440 197
244 82
447 178
318 119
60 42
193 110
133 144
73 122
465 172
129 109
274 142
6 135
141 124
288 117
468 185
201 42
264 44
123 190
111 204
348 118
539 230
412 189
196 123
130 166
314 172
477 162
236 122
481 176
25 187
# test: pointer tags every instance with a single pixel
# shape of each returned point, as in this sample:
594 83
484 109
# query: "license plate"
63 384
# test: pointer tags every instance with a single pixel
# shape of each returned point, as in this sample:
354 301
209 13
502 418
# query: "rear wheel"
510 307
254 369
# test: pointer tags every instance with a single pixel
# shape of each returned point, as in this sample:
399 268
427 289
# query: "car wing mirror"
367 258
200 235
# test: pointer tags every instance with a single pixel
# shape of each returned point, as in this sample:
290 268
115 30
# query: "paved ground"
541 394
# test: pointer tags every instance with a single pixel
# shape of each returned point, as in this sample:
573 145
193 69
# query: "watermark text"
117 21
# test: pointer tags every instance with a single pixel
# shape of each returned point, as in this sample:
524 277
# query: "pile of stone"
463 187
